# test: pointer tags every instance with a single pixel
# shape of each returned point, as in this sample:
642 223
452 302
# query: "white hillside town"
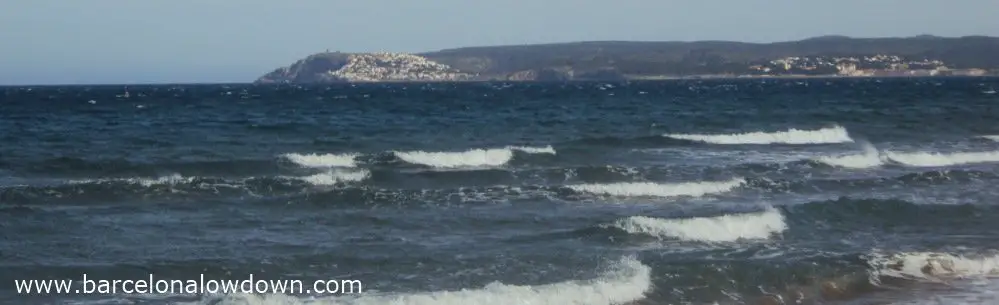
384 66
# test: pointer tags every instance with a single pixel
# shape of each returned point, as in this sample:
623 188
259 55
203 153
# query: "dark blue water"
817 191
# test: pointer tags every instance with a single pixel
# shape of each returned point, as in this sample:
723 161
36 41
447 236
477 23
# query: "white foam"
169 180
868 159
927 159
628 281
993 138
871 157
695 189
323 160
969 279
934 266
534 150
469 158
147 182
725 228
337 176
835 134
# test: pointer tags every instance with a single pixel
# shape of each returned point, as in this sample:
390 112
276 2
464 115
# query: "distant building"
847 68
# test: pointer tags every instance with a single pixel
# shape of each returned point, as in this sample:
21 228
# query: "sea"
712 191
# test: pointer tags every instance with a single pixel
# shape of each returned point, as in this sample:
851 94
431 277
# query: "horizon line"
480 81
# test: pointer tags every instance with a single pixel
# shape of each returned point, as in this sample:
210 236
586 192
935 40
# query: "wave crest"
868 159
828 135
694 189
993 138
469 158
926 159
534 150
725 228
871 157
627 281
336 176
323 160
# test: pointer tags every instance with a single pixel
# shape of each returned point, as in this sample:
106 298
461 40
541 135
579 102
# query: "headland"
827 56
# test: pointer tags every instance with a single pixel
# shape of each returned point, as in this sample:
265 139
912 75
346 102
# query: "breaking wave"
627 281
961 279
926 159
469 158
993 138
475 157
725 228
323 160
868 159
836 134
871 157
535 150
337 176
694 189
934 266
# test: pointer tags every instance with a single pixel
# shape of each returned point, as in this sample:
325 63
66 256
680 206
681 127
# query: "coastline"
643 78
487 80
620 61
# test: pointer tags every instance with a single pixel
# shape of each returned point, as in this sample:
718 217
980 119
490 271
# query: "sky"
198 41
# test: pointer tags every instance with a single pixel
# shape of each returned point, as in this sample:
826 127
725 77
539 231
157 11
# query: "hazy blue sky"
142 41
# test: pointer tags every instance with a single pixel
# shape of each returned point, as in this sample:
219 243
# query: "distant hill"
630 59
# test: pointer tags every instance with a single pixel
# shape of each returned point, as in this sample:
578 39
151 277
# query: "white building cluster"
851 66
374 67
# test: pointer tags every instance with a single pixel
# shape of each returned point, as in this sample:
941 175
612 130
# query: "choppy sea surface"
810 191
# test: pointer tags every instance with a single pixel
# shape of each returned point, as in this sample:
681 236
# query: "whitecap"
337 176
933 159
323 160
868 159
695 189
725 228
835 134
